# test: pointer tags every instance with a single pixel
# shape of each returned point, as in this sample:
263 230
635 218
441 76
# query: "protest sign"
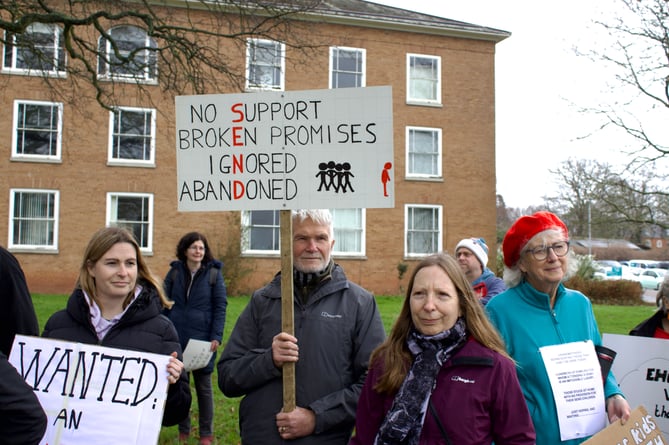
642 370
640 429
285 150
92 394
576 382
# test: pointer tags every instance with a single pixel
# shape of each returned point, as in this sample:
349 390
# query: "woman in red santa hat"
536 311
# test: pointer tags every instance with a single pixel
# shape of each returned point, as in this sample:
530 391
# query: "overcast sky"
539 78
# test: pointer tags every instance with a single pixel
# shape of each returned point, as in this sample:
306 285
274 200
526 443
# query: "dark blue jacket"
199 307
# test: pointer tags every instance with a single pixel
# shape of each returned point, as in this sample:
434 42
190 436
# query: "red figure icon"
385 177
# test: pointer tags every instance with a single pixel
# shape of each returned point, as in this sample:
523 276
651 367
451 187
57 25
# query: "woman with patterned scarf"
443 375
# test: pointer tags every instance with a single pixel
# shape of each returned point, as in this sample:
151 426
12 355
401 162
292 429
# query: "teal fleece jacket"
526 321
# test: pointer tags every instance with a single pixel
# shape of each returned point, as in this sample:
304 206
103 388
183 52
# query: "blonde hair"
100 243
394 354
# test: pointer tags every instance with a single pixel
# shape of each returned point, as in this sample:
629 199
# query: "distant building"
68 170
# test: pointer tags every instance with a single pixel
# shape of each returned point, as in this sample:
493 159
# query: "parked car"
612 270
651 278
639 266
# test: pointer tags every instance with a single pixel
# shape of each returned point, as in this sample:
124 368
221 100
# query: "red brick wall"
467 191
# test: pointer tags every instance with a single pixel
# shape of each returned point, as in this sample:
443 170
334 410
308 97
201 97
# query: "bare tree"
613 204
637 56
195 43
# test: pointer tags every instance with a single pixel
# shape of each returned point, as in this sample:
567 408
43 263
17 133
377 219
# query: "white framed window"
347 67
33 219
265 65
37 51
261 232
349 232
37 131
133 56
423 152
134 211
423 79
132 136
422 229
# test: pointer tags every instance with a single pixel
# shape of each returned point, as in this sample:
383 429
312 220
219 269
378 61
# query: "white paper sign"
576 380
197 354
92 394
642 370
282 150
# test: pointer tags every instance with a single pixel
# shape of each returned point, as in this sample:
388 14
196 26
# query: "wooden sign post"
287 305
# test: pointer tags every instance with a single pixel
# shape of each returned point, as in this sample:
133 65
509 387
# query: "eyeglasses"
559 249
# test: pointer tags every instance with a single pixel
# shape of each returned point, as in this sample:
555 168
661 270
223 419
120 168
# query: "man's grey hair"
319 216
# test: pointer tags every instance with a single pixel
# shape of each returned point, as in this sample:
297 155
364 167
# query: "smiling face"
544 275
434 301
195 254
312 245
115 272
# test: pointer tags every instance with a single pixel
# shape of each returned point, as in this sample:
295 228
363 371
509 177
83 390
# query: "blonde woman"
117 302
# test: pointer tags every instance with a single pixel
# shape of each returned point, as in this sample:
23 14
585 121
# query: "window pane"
265 64
39 48
134 55
423 152
132 212
263 230
423 234
37 129
33 219
424 77
132 135
347 66
348 230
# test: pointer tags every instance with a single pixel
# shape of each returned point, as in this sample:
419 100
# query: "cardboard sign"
640 429
92 394
285 150
642 370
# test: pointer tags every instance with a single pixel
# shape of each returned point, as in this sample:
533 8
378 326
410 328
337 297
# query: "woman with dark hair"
195 284
117 302
442 375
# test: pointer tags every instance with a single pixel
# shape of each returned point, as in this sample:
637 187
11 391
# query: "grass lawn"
611 319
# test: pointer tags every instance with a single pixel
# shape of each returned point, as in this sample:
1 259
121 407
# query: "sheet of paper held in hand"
197 354
576 381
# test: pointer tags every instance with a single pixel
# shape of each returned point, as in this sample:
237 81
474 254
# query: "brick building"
70 166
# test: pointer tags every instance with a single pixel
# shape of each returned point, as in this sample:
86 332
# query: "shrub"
617 292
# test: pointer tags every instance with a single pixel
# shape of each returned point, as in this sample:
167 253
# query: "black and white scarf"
404 421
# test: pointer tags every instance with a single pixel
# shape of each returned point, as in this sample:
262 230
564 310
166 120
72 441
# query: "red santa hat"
524 229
